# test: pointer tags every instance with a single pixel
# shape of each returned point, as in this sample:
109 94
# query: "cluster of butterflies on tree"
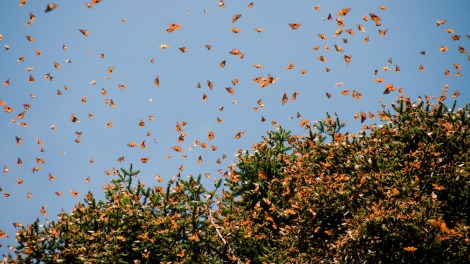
342 34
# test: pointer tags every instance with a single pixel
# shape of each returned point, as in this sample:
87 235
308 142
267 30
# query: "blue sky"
129 47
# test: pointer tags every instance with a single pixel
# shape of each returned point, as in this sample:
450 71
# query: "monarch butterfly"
235 81
294 25
49 7
183 49
51 177
239 134
208 47
462 49
441 22
235 52
316 47
382 32
236 17
222 64
410 249
361 28
294 96
164 46
74 193
449 30
43 211
131 144
259 30
290 66
250 5
210 84
177 149
109 124
322 58
141 123
142 144
316 8
199 160
382 7
30 39
144 160
344 11
58 193
345 92
172 27
156 81
210 135
284 99
73 118
421 67
322 36
338 48
221 4
84 32
374 17
258 66
230 90
235 30
456 37
303 71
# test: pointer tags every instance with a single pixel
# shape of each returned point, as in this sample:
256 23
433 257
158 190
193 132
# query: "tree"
396 192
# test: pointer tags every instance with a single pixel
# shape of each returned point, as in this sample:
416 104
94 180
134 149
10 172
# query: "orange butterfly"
236 17
172 27
73 118
177 149
441 22
49 7
344 11
410 249
230 90
144 160
294 25
235 30
239 134
84 32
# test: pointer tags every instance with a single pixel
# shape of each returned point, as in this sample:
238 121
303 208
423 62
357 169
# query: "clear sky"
129 34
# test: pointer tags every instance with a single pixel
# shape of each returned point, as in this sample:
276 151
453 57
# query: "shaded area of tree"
391 193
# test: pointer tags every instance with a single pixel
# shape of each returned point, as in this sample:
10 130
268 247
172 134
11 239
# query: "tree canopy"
394 192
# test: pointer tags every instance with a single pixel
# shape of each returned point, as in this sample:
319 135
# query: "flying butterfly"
294 25
344 11
236 17
49 7
84 32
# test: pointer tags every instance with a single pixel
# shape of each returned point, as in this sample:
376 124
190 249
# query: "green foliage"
397 192
136 224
